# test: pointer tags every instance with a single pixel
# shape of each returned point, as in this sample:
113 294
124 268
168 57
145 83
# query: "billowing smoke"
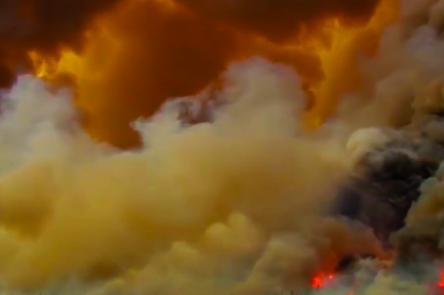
237 205
227 192
395 187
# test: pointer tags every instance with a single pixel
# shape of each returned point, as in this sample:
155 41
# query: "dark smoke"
386 184
282 18
390 179
43 25
194 42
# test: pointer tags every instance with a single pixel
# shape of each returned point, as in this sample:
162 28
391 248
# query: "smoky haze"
227 192
282 18
169 48
44 25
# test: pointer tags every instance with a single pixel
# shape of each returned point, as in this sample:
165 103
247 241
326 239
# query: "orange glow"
440 284
339 58
49 68
321 280
131 63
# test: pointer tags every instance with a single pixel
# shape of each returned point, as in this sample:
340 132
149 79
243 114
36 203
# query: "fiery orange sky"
125 58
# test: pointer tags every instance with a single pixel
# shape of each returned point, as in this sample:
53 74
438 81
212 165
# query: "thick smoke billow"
227 192
45 26
237 205
396 184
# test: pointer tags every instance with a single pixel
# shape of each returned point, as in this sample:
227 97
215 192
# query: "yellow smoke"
340 58
229 207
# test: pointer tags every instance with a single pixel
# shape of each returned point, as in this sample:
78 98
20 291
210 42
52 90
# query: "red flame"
320 280
440 284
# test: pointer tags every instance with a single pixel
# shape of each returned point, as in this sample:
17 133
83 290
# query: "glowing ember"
320 280
440 284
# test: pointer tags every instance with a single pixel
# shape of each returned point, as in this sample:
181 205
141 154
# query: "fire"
48 68
40 64
87 64
85 70
440 284
242 218
321 280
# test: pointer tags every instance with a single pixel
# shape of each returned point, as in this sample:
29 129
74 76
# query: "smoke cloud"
227 192
399 163
231 206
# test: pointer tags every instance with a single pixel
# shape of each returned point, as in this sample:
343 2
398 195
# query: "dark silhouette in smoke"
386 185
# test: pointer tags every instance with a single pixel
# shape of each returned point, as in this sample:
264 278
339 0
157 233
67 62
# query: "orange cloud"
141 53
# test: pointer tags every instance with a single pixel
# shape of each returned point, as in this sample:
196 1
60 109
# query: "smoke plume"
231 206
227 191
